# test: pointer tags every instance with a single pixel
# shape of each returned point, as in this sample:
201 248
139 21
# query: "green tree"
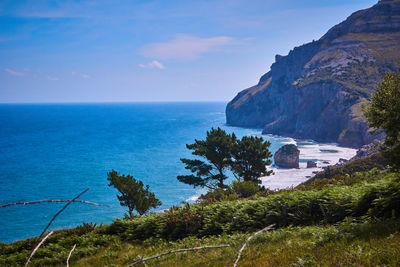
383 113
217 150
251 157
134 194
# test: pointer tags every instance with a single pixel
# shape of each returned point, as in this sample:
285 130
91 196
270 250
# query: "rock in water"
287 156
311 164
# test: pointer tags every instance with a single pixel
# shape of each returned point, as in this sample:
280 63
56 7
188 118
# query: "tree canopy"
383 113
134 194
217 150
251 158
246 158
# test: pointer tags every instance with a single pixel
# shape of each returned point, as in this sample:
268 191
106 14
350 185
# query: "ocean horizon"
56 150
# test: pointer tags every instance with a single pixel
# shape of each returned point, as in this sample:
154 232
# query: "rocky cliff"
317 90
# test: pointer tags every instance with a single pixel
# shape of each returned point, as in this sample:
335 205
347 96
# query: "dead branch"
61 210
49 200
269 227
70 253
54 217
37 247
175 251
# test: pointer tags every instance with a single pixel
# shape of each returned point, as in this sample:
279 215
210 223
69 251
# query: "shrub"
245 188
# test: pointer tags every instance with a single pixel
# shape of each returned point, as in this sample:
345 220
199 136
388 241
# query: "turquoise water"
55 151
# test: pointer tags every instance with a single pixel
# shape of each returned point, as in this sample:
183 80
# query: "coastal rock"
287 156
368 150
311 164
317 90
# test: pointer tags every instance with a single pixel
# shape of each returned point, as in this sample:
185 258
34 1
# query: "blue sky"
119 50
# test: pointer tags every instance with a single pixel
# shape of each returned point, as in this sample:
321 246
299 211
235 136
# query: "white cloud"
83 75
13 72
185 47
52 78
153 65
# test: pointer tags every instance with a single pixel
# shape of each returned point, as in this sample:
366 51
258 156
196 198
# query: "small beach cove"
323 154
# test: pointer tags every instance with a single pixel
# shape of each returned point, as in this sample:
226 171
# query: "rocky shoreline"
323 155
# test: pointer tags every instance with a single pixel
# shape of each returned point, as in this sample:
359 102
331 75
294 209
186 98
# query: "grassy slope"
349 243
331 239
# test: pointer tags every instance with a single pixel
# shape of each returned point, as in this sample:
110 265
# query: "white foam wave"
196 196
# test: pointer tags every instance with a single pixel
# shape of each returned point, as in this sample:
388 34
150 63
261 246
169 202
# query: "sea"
55 151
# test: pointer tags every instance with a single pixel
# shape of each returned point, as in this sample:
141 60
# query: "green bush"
245 188
219 194
328 205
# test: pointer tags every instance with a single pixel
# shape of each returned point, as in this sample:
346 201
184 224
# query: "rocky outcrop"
287 156
317 90
368 150
311 164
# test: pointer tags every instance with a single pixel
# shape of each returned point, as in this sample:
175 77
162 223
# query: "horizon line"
116 102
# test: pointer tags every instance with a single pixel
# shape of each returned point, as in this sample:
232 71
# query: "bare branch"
269 227
50 200
70 253
37 247
175 251
54 217
61 210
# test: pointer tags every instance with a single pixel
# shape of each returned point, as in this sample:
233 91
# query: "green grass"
375 161
348 243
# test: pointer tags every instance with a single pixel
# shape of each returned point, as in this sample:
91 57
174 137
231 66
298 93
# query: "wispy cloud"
153 65
13 72
83 75
185 47
52 78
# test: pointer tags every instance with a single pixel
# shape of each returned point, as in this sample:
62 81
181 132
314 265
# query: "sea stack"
287 156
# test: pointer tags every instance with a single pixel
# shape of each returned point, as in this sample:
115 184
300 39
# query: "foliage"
345 179
349 211
133 193
56 248
247 158
245 188
251 157
349 243
329 205
236 190
217 150
358 165
219 194
383 112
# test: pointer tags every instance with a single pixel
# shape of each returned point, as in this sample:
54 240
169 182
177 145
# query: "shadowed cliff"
317 90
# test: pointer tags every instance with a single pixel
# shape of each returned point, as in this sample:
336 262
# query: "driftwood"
50 200
51 221
269 227
175 251
70 253
37 247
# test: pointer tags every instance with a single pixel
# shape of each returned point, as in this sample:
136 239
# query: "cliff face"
317 90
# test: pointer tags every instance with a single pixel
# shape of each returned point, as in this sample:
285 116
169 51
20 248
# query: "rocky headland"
317 90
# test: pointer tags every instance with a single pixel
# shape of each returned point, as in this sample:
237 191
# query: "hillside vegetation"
353 219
